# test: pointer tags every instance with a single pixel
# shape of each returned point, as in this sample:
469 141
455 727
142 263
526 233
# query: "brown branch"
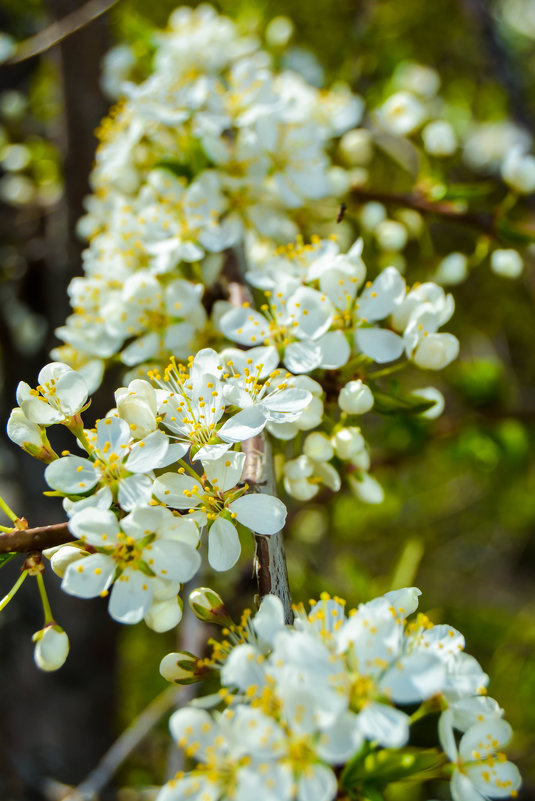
270 558
35 539
483 221
60 30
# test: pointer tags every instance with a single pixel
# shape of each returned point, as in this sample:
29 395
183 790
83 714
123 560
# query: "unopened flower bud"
452 270
402 113
356 147
137 405
355 398
301 489
164 615
279 31
311 416
391 235
181 667
63 557
507 263
366 488
318 446
439 138
51 647
518 171
28 436
208 606
348 442
431 394
372 214
435 351
296 469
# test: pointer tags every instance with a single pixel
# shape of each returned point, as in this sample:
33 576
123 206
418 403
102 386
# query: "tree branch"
483 221
35 539
60 30
270 558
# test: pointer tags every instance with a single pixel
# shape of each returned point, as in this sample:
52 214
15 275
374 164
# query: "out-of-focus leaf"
6 557
404 404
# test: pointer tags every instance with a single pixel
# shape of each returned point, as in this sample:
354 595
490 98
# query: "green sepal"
390 765
143 566
400 404
6 557
33 450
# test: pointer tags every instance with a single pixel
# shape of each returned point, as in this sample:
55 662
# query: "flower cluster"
136 508
214 142
317 318
327 704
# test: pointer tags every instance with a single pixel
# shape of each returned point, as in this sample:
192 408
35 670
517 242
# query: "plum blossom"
220 501
132 556
116 462
60 395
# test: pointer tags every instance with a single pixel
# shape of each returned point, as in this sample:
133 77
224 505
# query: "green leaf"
390 765
371 793
176 167
6 557
405 404
516 236
468 191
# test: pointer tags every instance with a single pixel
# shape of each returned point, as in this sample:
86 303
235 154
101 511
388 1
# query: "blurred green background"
459 515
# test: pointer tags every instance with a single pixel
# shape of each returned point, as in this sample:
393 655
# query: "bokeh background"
458 518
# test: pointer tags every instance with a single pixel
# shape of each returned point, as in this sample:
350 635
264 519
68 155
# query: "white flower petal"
131 597
387 725
318 783
224 546
485 738
88 577
498 782
302 357
335 350
379 344
462 789
413 678
404 601
72 475
96 526
264 514
71 390
209 452
171 488
147 453
172 560
226 472
243 425
269 619
134 491
379 300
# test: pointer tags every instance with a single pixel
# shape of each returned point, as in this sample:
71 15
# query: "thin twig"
60 30
485 222
99 777
35 539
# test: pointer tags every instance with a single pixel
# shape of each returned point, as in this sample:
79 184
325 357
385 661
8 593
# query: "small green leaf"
389 765
405 404
516 236
176 167
6 557
468 191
